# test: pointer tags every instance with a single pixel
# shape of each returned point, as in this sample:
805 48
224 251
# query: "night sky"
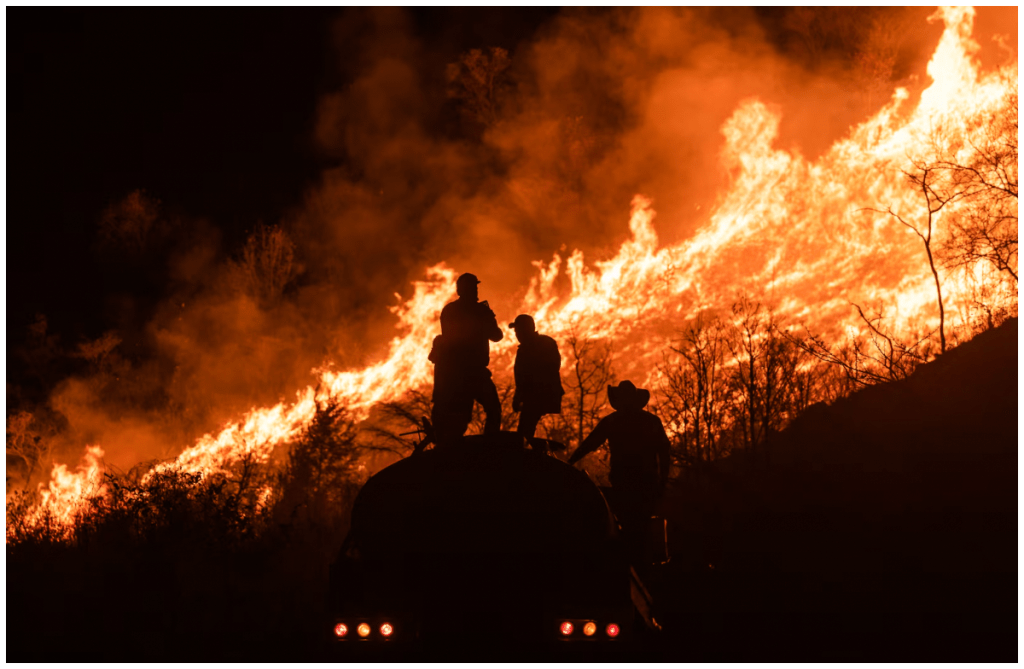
210 112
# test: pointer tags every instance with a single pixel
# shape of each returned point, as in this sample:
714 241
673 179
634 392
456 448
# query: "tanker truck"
483 544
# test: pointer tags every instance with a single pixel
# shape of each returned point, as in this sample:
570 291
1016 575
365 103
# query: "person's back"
537 365
640 449
634 437
538 379
469 326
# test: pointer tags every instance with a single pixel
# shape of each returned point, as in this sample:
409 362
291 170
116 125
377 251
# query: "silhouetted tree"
26 445
695 393
877 51
390 420
981 170
578 150
267 263
322 467
864 360
477 80
587 373
132 223
769 387
927 180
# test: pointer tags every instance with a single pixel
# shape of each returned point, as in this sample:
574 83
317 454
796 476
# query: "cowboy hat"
626 396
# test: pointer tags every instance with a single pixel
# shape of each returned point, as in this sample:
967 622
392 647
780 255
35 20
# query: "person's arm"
435 347
494 333
593 441
664 450
517 373
552 358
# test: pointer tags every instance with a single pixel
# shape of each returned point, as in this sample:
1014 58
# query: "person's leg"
462 413
635 506
528 419
452 412
487 396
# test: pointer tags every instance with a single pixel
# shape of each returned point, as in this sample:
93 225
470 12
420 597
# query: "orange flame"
794 228
67 495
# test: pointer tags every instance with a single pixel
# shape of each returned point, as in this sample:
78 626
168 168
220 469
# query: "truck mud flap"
642 600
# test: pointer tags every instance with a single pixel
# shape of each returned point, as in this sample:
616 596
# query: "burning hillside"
812 237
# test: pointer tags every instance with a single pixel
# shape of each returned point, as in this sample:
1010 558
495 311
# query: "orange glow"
67 495
386 629
363 630
340 630
566 628
589 629
612 630
794 227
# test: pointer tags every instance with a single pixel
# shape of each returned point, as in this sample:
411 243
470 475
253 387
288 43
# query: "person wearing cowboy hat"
538 382
640 457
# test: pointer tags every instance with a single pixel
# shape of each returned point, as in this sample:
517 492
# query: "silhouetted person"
452 401
640 459
460 356
538 383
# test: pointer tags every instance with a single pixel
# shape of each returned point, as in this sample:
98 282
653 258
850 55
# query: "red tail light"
612 630
340 630
386 630
566 628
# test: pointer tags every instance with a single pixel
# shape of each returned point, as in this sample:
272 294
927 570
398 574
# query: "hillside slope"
886 524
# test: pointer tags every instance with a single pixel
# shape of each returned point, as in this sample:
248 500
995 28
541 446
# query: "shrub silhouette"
319 479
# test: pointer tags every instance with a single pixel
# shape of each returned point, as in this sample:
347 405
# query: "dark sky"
210 111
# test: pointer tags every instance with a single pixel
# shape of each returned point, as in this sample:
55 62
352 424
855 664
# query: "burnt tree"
695 390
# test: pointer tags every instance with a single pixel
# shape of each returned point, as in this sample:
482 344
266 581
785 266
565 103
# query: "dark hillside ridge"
886 523
929 458
955 407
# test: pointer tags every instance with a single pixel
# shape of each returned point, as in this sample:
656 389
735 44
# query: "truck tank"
481 541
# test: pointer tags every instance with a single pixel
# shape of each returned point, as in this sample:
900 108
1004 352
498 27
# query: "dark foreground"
883 528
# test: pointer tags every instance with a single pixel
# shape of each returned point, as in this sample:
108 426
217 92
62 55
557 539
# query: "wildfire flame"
795 228
68 493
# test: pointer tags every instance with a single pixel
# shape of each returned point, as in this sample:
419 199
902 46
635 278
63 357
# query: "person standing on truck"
538 382
640 459
460 356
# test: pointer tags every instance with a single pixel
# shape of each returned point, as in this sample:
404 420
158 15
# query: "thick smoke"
598 106
486 161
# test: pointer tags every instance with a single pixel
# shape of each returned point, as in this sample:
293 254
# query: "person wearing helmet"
460 356
538 383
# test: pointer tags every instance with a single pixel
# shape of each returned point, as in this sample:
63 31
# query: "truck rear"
481 544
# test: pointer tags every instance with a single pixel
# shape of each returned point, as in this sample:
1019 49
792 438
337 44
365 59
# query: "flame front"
798 230
67 495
